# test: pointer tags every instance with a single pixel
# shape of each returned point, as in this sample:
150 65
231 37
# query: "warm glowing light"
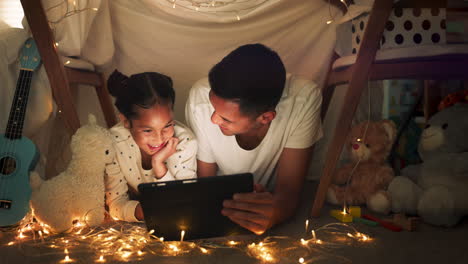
66 251
203 250
101 259
151 232
313 235
67 62
140 253
301 260
318 241
161 239
233 243
67 259
21 236
126 254
11 243
307 225
56 44
182 234
303 242
329 22
238 17
95 9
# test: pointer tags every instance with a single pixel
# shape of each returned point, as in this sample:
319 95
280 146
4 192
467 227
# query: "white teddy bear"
78 192
436 189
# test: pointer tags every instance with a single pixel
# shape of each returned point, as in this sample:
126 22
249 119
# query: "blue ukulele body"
15 191
18 154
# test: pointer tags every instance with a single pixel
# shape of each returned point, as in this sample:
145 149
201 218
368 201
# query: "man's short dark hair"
252 75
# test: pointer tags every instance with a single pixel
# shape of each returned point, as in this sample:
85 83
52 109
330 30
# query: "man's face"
229 118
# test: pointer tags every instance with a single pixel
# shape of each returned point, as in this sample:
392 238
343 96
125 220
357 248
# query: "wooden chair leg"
106 103
375 26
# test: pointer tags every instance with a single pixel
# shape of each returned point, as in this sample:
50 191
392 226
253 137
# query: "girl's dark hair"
140 90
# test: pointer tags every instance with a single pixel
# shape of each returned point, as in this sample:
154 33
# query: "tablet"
193 206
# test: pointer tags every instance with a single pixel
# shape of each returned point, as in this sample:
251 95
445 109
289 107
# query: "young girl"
150 144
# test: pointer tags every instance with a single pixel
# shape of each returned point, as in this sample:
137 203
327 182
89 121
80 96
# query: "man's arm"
260 210
292 169
205 169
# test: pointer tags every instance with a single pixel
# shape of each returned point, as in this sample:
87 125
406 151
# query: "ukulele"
18 154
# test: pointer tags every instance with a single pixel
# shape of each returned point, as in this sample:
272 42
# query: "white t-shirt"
297 125
126 172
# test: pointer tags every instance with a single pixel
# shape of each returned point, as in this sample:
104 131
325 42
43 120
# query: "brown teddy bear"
365 179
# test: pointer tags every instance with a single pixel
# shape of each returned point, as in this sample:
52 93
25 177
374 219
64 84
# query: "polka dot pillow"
406 27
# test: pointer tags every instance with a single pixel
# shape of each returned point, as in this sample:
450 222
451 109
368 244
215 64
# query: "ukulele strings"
17 116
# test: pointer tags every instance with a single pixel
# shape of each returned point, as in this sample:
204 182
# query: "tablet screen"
192 205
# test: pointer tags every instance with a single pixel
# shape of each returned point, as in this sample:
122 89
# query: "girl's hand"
157 160
139 213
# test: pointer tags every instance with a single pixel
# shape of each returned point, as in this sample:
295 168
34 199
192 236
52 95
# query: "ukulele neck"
15 123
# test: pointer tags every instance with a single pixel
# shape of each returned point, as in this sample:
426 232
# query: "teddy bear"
78 192
365 178
436 188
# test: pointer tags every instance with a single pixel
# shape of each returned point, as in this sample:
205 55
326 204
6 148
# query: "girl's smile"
156 148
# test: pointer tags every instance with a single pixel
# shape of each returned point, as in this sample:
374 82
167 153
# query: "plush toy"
365 179
78 192
436 188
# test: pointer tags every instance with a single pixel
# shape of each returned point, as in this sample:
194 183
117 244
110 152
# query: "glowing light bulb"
67 259
301 260
182 234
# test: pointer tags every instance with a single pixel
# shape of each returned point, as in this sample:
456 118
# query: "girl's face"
152 129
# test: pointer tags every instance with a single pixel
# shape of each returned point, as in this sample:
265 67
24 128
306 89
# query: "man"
249 116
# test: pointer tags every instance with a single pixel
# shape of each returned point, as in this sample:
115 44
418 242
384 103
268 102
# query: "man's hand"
253 211
157 160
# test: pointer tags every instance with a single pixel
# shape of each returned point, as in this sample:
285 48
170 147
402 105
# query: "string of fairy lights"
128 242
223 7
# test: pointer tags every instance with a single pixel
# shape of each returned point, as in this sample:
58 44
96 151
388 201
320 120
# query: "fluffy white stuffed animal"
78 192
436 189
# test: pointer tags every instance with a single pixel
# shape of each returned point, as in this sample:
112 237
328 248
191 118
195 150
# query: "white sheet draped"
184 44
